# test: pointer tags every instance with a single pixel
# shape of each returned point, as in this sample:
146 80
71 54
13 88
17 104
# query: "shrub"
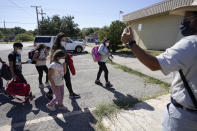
24 37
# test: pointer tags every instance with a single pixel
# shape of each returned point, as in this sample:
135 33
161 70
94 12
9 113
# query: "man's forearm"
147 59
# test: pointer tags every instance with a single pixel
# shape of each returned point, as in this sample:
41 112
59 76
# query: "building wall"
158 32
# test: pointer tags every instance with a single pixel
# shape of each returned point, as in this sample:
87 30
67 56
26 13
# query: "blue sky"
87 13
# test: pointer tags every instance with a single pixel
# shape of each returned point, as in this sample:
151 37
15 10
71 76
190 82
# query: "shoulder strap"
188 88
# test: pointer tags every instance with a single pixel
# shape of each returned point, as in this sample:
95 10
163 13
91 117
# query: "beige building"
160 30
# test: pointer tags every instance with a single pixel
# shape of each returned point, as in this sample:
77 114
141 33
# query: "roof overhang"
163 7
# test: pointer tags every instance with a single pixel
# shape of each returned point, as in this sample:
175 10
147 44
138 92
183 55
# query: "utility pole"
4 25
42 14
36 7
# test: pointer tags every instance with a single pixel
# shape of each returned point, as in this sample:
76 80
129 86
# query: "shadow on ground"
127 101
74 120
77 120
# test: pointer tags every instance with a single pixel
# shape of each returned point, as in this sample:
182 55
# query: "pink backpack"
95 54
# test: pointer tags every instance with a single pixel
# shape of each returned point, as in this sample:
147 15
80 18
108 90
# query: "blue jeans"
177 119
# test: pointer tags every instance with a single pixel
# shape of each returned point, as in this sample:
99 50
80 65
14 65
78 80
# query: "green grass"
127 51
105 110
101 127
147 78
102 111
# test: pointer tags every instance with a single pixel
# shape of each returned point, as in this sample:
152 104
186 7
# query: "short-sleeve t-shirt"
16 59
58 76
41 55
183 55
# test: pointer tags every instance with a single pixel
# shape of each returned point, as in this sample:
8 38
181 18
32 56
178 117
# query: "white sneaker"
41 85
47 84
51 108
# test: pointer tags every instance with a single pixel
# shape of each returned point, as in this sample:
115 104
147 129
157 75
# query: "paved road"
35 116
8 46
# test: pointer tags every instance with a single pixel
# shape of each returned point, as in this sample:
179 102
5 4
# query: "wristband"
130 44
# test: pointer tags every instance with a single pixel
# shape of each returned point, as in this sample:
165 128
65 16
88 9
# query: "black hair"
48 48
57 45
105 40
195 23
40 47
18 45
57 54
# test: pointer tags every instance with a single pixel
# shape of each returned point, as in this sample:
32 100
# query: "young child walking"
57 70
40 57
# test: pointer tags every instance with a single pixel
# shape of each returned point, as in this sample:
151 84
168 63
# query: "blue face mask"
185 29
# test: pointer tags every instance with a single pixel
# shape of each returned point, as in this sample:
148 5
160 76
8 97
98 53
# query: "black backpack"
5 72
31 56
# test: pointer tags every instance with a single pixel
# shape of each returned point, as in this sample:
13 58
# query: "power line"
19 7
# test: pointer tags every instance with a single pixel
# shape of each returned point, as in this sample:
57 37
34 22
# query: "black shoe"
98 82
10 97
108 85
31 96
74 96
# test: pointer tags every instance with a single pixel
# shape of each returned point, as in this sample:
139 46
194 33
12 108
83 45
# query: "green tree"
54 25
18 30
2 36
24 37
69 27
114 34
103 32
87 31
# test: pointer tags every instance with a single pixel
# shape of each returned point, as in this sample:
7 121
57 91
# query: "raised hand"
127 35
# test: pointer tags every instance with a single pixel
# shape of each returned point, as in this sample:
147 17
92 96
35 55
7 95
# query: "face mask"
185 29
107 44
63 43
19 51
62 61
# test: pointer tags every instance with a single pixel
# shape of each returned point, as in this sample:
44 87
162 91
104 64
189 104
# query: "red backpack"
70 64
18 88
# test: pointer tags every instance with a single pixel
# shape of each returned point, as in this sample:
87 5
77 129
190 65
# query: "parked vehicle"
70 44
47 40
74 45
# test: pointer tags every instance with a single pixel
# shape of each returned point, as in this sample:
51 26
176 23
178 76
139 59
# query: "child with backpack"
40 58
104 57
15 62
57 70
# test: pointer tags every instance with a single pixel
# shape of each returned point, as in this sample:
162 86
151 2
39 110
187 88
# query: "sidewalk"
145 116
136 65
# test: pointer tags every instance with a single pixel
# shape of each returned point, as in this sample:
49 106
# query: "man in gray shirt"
180 114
